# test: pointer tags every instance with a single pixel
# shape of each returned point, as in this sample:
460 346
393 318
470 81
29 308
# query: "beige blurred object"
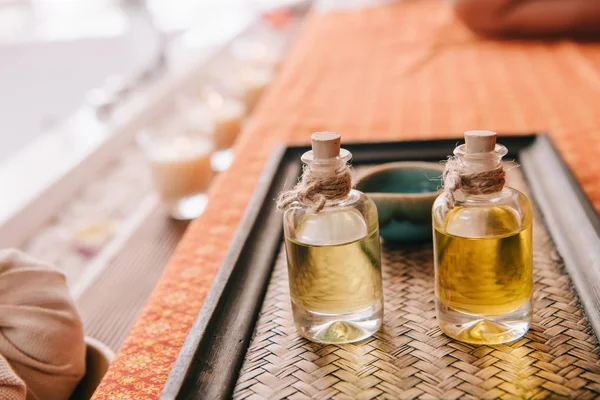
227 115
179 155
97 360
254 82
41 334
182 169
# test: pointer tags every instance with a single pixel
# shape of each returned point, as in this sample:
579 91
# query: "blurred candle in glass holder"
254 83
227 115
179 156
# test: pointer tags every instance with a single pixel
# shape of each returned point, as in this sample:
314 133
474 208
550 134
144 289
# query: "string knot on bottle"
456 177
314 190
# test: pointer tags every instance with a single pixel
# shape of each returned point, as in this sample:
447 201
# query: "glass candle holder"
179 155
254 81
227 114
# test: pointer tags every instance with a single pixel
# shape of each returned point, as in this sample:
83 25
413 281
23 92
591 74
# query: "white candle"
254 82
227 115
180 166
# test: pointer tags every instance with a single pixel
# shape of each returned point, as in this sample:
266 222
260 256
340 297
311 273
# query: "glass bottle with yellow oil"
333 249
483 247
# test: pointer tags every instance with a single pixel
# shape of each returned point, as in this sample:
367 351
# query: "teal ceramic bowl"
404 193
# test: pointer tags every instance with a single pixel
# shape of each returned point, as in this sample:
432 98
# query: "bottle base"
479 329
340 328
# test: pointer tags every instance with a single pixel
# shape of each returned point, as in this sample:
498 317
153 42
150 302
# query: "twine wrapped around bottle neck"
455 177
314 190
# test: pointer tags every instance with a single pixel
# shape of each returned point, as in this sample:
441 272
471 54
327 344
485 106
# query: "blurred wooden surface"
110 305
113 241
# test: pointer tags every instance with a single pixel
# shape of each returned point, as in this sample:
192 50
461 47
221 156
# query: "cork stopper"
480 141
325 144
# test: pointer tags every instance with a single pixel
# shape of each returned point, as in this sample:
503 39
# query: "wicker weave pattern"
411 358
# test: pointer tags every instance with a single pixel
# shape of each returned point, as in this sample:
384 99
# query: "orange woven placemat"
401 71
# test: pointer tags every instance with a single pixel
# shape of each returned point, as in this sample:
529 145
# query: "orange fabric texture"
403 71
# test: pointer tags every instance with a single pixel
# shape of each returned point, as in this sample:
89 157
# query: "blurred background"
117 115
52 52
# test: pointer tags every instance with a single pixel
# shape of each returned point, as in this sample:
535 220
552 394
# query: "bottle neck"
481 174
326 166
475 163
332 176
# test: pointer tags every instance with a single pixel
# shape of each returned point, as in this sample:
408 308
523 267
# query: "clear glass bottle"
334 258
483 253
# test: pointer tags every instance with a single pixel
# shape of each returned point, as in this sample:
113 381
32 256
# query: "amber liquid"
488 275
335 279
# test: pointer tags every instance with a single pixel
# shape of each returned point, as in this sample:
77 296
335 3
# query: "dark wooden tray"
210 360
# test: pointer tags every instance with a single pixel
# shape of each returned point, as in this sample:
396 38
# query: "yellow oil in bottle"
335 279
332 249
484 269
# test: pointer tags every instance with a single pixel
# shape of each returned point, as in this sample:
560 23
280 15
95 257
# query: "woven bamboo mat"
411 358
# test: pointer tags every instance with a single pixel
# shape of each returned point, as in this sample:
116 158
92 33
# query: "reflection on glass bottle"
333 251
483 248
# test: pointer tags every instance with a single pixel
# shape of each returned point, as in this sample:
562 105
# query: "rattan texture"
410 358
